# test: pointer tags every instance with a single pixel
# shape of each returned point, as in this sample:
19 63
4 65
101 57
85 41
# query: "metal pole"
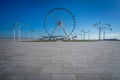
19 34
80 36
35 35
13 34
99 27
99 33
89 35
84 35
28 36
103 34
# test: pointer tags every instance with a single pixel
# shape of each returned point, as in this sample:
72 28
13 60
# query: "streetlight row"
14 27
84 32
101 27
17 26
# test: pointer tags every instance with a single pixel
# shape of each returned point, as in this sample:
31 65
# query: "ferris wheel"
59 22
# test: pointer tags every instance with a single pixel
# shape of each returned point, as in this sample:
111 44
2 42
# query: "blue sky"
32 12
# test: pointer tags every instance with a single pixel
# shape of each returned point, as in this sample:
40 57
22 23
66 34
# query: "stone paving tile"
114 70
40 76
73 70
51 70
108 76
80 64
12 76
88 76
63 77
28 76
93 70
22 70
117 76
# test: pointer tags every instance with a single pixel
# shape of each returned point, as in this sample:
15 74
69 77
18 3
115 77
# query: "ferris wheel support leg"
54 30
64 31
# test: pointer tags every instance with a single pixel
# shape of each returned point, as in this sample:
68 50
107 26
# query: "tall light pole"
14 29
80 35
106 26
99 26
89 34
84 33
19 30
19 34
28 32
35 35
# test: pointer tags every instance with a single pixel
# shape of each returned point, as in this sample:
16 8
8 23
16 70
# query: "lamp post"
80 35
84 33
106 26
14 29
19 30
89 34
102 27
99 26
28 32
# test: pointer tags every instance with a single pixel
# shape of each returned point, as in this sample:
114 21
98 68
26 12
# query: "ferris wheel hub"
59 23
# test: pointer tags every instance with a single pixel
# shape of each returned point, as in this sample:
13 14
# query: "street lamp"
89 34
84 32
80 35
14 29
19 30
102 27
99 26
28 32
106 26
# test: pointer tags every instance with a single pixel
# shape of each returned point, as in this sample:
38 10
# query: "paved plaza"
59 60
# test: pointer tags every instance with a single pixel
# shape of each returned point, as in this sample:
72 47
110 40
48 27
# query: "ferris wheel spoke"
56 16
63 16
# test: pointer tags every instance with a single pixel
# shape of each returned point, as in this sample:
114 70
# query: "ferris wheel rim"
62 9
